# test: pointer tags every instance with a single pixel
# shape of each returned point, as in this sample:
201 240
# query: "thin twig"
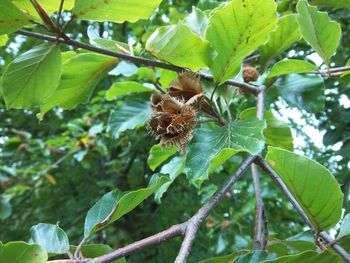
257 245
266 230
173 231
275 177
258 239
197 219
248 87
59 13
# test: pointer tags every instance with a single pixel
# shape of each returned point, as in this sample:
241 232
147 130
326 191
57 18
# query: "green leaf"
277 132
32 77
318 30
158 155
253 257
116 204
197 21
344 226
97 250
173 168
306 92
311 184
332 3
21 252
132 114
80 76
291 66
211 147
117 11
11 18
287 247
3 40
50 7
235 30
223 259
110 44
309 257
286 34
178 45
50 237
119 89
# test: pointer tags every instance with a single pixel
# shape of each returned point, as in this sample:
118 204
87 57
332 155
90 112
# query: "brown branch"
275 177
175 230
138 60
194 223
258 238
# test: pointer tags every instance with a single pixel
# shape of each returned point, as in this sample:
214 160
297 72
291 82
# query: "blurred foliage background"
55 170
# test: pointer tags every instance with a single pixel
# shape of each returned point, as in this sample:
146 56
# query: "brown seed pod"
172 120
186 86
250 74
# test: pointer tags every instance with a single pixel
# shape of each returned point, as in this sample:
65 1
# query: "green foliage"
80 75
211 147
21 252
12 19
132 114
32 77
119 89
286 33
50 237
318 30
116 204
115 11
302 91
315 188
289 66
54 170
252 20
158 155
178 45
277 132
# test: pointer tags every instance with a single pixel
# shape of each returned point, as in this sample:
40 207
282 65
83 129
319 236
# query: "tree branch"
173 231
138 60
194 223
275 177
258 239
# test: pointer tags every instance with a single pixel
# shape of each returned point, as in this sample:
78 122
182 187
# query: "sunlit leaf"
117 11
50 237
235 30
158 155
332 3
291 66
116 204
32 77
181 47
119 89
11 18
21 252
3 40
318 30
286 34
80 76
197 21
311 184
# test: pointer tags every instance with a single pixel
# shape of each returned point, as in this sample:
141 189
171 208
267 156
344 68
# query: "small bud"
250 74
